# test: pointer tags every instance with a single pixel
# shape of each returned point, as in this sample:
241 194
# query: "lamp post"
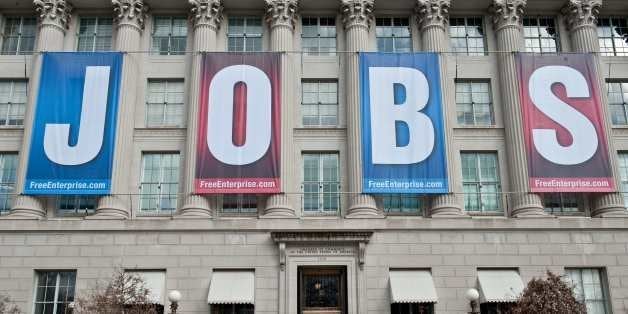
174 296
473 295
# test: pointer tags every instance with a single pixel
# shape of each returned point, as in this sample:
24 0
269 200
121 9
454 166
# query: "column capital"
206 12
507 13
433 13
357 13
54 12
130 12
281 13
581 13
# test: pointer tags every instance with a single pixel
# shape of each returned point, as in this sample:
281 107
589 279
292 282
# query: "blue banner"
73 137
403 146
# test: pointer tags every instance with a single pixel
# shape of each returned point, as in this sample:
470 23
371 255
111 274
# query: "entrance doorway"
322 290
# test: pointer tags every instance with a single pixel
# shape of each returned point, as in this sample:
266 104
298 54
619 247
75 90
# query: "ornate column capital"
130 12
580 13
281 13
54 12
206 12
357 13
433 13
507 13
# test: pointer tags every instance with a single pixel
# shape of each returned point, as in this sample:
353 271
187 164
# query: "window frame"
604 288
579 200
318 37
20 37
55 302
319 104
539 39
622 157
400 210
170 36
321 185
394 38
240 202
165 104
245 35
498 185
94 36
623 105
158 210
76 201
6 198
5 122
474 112
604 50
467 37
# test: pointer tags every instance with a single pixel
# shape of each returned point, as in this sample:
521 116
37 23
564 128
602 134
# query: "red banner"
238 147
566 145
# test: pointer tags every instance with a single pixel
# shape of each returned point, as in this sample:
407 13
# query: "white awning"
155 281
232 287
499 285
412 286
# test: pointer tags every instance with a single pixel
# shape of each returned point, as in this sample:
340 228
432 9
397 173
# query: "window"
164 103
412 308
541 35
402 204
55 291
481 184
393 34
160 183
18 37
233 309
95 34
473 104
562 203
613 36
466 35
244 34
12 102
239 204
170 35
590 288
319 35
496 308
321 184
618 102
8 166
319 103
623 172
70 205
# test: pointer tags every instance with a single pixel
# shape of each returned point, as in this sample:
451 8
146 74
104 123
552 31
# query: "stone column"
281 16
507 16
54 17
206 16
357 18
433 18
581 17
129 16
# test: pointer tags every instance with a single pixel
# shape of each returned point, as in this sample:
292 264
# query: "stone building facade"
321 226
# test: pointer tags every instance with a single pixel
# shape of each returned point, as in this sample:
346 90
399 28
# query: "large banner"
73 137
238 148
563 124
403 147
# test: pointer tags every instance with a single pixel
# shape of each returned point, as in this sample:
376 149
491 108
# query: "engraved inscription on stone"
321 250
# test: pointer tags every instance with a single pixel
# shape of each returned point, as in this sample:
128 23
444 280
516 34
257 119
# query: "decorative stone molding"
507 13
357 13
281 13
206 12
433 13
130 12
581 13
55 12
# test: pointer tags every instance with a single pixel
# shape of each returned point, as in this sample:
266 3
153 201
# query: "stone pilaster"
281 17
357 18
581 17
129 18
507 16
54 16
206 16
433 19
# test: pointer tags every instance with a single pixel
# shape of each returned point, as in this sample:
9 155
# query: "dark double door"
322 290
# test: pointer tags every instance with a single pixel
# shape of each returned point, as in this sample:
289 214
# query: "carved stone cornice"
281 13
206 12
54 12
433 13
319 236
130 12
357 13
507 13
580 13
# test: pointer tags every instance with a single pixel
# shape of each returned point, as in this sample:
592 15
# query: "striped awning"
412 286
499 285
232 287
